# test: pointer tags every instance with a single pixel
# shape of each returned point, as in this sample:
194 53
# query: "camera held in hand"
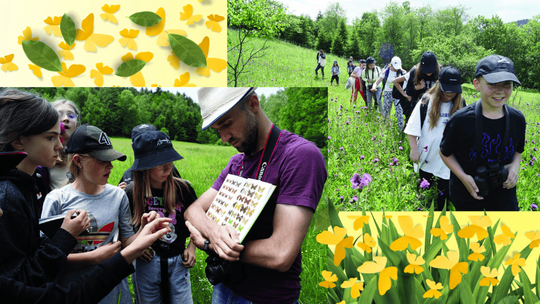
219 270
490 178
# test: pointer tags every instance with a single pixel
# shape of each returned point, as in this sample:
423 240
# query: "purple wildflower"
534 207
361 156
375 160
400 148
341 197
355 198
424 184
355 180
425 148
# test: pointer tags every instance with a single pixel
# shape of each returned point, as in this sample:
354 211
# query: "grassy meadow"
286 65
362 141
201 165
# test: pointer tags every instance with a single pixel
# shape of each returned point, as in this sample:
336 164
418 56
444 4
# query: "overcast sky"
507 10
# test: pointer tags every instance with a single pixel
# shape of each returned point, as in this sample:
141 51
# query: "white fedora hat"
216 102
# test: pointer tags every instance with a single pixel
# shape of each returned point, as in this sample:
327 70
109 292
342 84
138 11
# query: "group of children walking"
109 218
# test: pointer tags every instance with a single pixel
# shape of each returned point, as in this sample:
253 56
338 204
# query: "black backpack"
395 92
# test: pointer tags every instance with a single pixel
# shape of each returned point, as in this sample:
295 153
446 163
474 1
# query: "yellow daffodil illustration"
385 276
445 229
359 221
53 26
490 276
128 38
214 64
329 279
452 263
411 235
6 63
156 29
91 39
477 252
65 51
534 236
213 22
27 35
109 11
433 291
478 228
98 74
505 238
356 287
67 73
415 263
517 261
187 14
368 243
337 238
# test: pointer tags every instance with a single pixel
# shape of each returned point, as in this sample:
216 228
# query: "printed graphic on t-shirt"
491 149
445 117
156 203
93 240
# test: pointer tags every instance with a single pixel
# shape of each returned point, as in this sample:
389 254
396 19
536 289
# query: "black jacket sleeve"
90 288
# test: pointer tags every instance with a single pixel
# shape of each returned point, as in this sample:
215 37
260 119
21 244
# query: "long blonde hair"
143 190
437 95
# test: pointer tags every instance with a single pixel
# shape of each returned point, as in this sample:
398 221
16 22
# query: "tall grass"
201 165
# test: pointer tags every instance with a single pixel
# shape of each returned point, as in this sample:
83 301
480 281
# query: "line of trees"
455 37
117 110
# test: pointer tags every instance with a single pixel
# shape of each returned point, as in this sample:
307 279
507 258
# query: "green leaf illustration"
67 27
145 18
130 68
42 55
187 51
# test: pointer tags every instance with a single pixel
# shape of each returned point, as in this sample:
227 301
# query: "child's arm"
467 180
94 257
189 258
396 82
376 84
415 155
513 171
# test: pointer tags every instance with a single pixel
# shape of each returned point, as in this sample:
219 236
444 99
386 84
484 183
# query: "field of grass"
201 165
361 142
287 65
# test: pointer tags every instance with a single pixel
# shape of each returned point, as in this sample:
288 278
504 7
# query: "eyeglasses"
70 114
165 167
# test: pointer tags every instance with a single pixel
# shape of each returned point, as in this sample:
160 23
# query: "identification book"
239 202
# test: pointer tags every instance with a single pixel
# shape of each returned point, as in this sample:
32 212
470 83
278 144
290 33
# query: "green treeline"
456 38
117 110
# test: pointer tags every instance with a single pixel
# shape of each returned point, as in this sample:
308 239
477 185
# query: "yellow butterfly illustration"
156 29
479 223
187 14
213 22
517 261
505 237
53 26
337 238
452 263
356 287
386 274
109 11
27 35
444 230
91 39
128 38
433 291
490 276
329 279
137 80
415 263
183 81
36 69
359 221
477 252
7 65
216 64
411 235
67 73
65 51
534 236
368 243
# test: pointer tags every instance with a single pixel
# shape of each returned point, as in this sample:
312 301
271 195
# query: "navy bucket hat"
152 149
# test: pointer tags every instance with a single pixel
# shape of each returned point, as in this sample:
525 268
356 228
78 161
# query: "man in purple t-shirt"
270 253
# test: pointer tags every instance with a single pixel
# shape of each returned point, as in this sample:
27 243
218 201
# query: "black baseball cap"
152 149
429 62
138 130
450 80
94 142
362 61
495 69
370 60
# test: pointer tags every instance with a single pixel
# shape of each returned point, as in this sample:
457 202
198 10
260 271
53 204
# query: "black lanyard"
268 151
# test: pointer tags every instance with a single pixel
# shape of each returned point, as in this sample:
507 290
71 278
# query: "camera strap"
269 147
479 134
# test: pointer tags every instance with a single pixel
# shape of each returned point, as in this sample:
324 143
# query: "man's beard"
251 130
